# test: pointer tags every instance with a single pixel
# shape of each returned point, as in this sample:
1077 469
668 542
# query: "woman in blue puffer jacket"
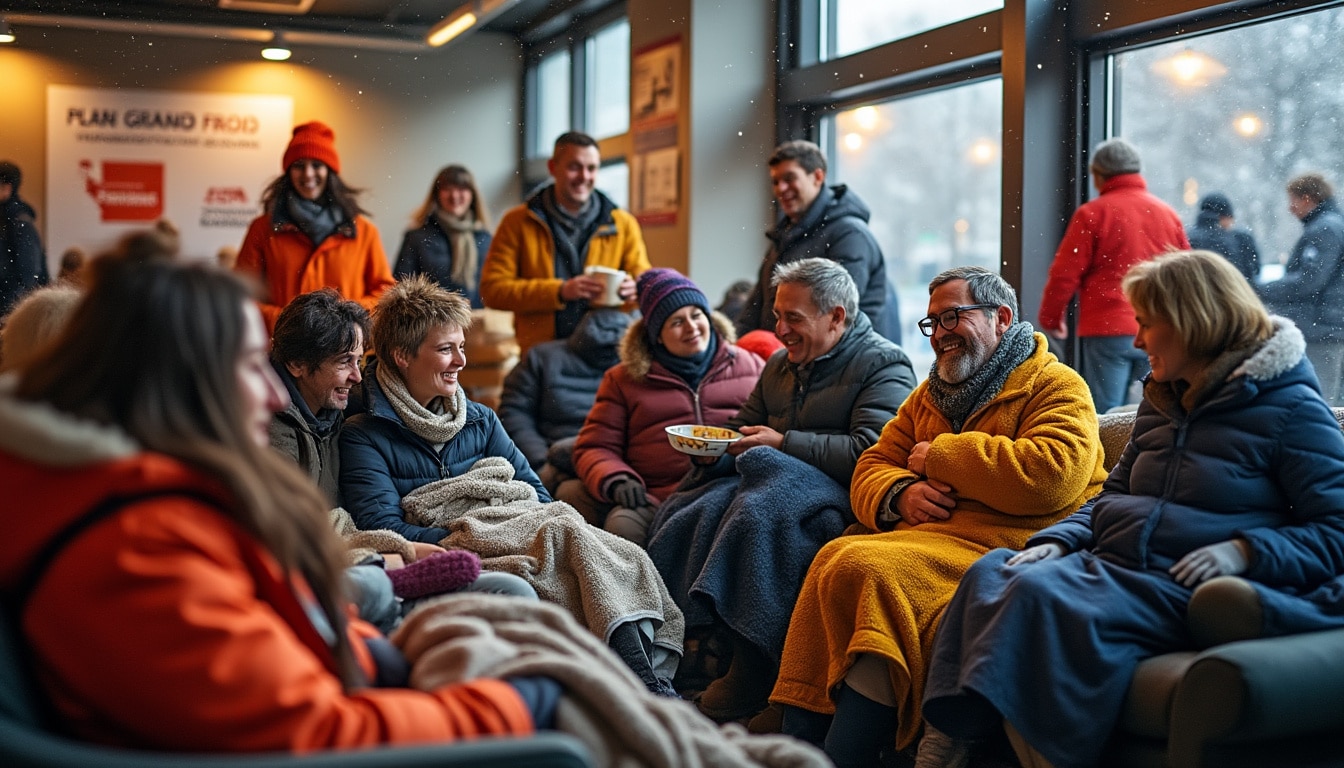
1235 466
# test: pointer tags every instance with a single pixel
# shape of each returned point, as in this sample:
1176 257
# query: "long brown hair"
337 192
453 176
153 350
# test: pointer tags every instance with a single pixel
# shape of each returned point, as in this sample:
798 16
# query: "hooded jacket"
834 227
351 261
1107 235
168 627
625 431
1311 292
1252 452
519 275
23 261
382 460
548 395
1236 244
832 409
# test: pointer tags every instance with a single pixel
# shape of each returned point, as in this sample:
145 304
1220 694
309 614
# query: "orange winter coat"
166 626
351 260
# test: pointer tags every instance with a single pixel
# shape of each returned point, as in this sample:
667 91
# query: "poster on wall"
655 179
122 159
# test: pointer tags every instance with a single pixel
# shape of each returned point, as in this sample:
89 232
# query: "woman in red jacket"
312 233
678 366
192 601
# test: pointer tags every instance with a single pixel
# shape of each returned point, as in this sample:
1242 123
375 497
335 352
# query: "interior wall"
726 126
398 117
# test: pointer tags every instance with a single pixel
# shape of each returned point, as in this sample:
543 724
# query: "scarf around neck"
436 428
958 401
316 220
461 232
689 369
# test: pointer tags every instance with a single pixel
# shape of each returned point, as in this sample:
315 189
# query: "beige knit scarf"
437 428
461 232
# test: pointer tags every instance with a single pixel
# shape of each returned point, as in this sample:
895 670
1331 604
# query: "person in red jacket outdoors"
312 233
678 366
1107 235
192 601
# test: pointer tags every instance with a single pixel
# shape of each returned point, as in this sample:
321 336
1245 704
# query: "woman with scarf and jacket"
678 366
192 601
312 232
452 238
1234 467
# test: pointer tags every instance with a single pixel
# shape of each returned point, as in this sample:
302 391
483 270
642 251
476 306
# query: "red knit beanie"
315 141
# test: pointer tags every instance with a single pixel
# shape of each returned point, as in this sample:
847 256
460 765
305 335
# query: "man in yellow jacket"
999 442
538 262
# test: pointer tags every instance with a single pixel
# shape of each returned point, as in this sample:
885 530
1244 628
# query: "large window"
579 80
857 25
928 167
1238 112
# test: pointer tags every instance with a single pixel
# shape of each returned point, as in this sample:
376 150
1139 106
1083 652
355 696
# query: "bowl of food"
700 440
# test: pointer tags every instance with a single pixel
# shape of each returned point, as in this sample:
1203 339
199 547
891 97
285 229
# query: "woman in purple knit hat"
678 366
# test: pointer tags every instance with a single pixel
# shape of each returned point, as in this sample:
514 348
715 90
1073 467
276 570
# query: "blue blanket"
735 549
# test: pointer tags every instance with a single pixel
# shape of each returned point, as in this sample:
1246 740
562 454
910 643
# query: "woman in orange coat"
199 609
312 233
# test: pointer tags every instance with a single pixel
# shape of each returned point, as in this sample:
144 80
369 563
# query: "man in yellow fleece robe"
999 442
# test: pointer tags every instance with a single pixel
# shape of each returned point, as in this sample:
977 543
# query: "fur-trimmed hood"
38 432
1278 355
637 351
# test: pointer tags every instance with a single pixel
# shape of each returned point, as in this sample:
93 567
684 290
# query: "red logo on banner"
225 196
127 191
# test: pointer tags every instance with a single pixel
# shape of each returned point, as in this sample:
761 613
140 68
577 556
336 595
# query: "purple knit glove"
440 572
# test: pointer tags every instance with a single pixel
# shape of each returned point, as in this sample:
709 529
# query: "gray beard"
955 369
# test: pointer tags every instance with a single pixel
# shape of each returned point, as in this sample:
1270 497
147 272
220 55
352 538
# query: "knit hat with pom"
313 141
663 291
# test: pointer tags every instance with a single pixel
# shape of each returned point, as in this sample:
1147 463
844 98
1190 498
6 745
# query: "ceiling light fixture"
474 13
278 50
6 32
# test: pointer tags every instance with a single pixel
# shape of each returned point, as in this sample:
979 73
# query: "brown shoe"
770 720
744 690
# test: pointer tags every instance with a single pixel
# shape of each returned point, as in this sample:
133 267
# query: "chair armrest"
24 747
1261 689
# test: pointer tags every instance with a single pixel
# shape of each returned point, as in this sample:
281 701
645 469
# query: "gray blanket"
602 579
736 549
468 636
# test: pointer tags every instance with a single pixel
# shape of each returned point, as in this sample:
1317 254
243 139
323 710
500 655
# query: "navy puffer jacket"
1256 454
382 460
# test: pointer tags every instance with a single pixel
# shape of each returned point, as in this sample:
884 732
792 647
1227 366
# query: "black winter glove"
629 493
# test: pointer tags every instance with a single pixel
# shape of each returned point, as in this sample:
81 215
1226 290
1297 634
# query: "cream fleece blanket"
363 545
463 636
602 579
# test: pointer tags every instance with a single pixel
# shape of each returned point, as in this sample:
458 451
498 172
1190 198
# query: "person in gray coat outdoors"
1215 230
733 545
818 221
1311 291
547 395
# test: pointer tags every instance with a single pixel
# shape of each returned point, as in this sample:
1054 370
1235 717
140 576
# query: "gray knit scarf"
958 401
436 428
570 230
316 220
461 232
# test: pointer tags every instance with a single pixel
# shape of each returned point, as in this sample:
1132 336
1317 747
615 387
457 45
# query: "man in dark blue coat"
23 262
1215 230
1311 292
820 222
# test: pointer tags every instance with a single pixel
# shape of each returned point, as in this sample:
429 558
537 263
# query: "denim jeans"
1110 365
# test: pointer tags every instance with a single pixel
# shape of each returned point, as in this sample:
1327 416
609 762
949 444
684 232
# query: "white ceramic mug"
611 297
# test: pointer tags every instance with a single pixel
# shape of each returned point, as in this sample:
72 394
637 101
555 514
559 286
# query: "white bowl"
699 440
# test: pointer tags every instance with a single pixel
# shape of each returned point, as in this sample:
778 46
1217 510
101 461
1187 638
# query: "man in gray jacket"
820 222
316 350
733 555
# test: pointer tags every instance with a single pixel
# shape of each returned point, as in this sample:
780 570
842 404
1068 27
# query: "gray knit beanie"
1114 157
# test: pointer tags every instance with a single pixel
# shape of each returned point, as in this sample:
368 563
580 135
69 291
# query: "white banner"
121 159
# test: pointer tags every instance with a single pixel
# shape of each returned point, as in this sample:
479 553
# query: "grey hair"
986 287
830 284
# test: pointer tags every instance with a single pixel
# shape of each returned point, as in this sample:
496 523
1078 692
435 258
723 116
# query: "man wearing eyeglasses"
999 442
